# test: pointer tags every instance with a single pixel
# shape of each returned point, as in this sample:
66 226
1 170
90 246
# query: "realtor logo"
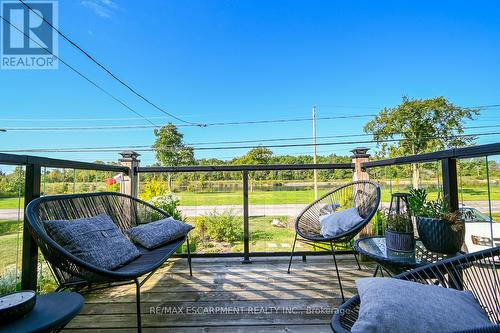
28 41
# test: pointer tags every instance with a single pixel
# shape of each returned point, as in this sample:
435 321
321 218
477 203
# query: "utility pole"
314 155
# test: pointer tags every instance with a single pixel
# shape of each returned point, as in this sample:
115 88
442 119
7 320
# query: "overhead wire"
121 127
81 74
169 148
123 83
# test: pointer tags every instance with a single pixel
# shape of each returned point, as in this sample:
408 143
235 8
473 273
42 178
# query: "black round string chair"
477 272
126 212
363 195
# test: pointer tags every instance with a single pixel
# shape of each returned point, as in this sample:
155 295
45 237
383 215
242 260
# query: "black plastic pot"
439 236
399 241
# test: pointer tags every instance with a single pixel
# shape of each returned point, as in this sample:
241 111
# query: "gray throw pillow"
154 234
393 305
339 222
96 240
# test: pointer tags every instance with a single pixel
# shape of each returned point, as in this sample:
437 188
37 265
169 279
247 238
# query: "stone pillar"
359 156
130 183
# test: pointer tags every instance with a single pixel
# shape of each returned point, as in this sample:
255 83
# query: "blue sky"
214 60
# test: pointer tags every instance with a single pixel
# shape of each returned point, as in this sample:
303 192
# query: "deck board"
225 296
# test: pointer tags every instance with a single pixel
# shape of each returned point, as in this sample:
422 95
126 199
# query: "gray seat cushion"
95 240
154 234
339 222
393 305
149 259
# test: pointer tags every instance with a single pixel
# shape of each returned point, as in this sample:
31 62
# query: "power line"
77 119
81 74
228 142
169 148
494 107
126 127
135 92
121 127
318 137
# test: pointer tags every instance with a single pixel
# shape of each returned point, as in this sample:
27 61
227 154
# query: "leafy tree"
169 147
422 125
259 155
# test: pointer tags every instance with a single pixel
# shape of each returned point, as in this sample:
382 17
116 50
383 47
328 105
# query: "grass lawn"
8 250
8 242
476 193
10 202
264 237
305 196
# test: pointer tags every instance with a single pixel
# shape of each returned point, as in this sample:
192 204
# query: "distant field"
303 197
476 193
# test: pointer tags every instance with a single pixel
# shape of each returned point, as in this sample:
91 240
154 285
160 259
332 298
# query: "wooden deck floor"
225 296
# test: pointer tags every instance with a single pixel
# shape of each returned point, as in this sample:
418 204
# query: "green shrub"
169 203
46 281
379 223
10 226
153 188
221 227
8 281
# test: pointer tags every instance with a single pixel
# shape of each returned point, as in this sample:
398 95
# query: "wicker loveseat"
126 212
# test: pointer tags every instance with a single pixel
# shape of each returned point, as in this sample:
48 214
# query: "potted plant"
399 232
439 229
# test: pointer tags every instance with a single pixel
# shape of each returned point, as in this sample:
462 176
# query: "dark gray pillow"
393 305
154 234
96 240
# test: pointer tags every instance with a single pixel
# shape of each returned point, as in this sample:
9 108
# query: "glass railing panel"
11 226
479 195
276 198
211 201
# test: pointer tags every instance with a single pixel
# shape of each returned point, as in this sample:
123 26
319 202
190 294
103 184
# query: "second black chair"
363 195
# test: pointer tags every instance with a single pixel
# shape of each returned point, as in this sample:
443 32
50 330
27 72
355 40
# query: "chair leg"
357 261
338 274
138 304
189 257
291 255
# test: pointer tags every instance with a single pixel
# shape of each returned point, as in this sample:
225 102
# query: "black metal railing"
245 169
448 159
32 190
33 175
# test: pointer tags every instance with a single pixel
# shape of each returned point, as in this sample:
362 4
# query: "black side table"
396 262
51 313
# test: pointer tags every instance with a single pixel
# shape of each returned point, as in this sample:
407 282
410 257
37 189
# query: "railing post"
450 182
246 245
359 156
130 183
30 249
